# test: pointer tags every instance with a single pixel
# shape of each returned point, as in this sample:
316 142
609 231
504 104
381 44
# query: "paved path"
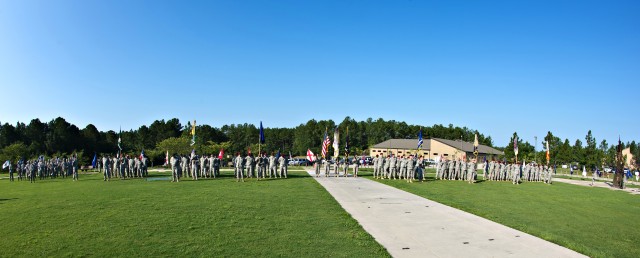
605 184
408 225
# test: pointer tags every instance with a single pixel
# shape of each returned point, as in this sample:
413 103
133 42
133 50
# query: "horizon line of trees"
60 138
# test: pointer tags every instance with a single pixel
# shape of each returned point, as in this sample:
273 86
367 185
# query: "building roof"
413 144
468 146
410 144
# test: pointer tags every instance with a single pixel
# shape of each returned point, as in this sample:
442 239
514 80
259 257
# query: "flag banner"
346 144
278 155
141 154
249 151
310 155
548 158
336 140
6 164
515 145
475 145
95 159
420 139
325 144
261 133
166 158
193 153
120 139
290 157
221 154
193 133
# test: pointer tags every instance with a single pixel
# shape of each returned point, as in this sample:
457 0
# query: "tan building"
434 148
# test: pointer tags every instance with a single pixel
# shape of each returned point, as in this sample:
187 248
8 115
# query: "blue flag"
278 155
95 159
261 133
420 139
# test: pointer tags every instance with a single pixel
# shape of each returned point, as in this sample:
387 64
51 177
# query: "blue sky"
495 66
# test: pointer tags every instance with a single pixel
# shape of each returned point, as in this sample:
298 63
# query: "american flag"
325 144
515 145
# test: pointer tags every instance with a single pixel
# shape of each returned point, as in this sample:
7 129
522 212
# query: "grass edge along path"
292 217
576 217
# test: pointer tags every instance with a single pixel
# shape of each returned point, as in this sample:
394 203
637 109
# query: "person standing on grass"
282 163
238 163
74 167
10 172
272 165
327 167
175 168
249 165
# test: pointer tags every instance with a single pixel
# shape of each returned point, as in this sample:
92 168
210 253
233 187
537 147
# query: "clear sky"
495 66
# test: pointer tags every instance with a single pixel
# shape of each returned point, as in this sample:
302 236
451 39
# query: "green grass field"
597 222
295 217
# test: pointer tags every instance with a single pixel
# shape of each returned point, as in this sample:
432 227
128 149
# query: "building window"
435 154
425 153
446 155
399 151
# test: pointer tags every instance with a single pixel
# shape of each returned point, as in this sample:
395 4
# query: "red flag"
249 151
221 153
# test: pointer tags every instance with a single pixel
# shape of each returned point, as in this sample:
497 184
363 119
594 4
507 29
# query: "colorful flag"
142 154
120 139
193 133
346 144
310 155
548 152
290 156
6 164
221 154
475 145
166 158
515 145
193 153
278 155
325 144
261 133
336 140
249 151
420 139
95 159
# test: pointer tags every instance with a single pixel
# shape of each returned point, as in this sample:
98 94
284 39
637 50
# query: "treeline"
59 138
589 153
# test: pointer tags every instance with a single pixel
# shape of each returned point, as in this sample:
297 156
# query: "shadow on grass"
7 199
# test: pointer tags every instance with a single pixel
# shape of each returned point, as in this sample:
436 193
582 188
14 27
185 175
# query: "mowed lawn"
292 217
597 222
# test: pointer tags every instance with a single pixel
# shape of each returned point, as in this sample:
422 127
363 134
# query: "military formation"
123 167
194 167
516 173
456 170
409 168
43 168
260 167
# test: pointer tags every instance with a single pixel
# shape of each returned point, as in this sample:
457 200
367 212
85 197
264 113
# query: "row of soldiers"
44 168
499 171
338 166
456 170
260 167
123 167
194 166
401 167
248 166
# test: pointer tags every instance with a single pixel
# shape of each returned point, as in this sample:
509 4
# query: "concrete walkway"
605 184
408 225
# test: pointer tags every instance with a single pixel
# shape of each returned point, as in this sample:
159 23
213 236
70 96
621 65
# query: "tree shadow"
7 199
